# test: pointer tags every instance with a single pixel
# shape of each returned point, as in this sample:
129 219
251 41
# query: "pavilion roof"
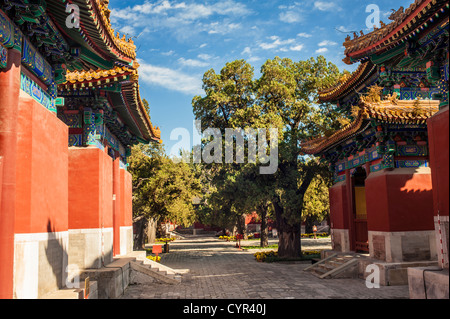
95 32
348 82
127 101
391 111
405 23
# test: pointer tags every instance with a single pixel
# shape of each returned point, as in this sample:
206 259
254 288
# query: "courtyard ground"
218 270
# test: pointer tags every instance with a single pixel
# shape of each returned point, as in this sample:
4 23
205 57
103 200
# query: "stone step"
141 256
333 266
74 293
326 266
156 273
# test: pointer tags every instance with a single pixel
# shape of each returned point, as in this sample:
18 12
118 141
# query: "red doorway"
360 233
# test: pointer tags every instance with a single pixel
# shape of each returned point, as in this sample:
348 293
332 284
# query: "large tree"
162 189
284 97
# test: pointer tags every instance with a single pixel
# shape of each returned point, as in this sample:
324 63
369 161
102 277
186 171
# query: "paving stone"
220 271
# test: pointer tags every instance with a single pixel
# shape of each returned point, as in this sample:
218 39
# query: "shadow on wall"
52 274
56 273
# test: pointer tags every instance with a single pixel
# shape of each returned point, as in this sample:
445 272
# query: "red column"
350 209
9 102
116 206
438 139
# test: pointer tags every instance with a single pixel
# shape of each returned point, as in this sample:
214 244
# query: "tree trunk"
309 223
139 241
289 244
240 225
264 227
151 230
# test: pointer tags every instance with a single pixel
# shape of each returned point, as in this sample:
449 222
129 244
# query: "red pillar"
350 209
9 102
438 141
439 163
116 206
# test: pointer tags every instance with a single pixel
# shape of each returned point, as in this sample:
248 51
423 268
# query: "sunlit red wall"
399 200
338 206
439 153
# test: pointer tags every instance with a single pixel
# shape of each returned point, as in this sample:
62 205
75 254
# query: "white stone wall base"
90 248
407 246
40 263
126 240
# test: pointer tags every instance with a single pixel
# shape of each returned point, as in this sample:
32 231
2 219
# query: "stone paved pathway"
221 271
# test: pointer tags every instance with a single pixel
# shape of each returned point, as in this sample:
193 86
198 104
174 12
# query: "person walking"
315 231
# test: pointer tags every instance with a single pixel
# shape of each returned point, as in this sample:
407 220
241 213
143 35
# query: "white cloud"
182 18
279 45
222 28
321 50
253 59
292 13
298 47
277 42
205 57
191 11
127 30
304 35
326 43
170 79
343 29
192 62
247 50
168 53
326 6
290 17
158 7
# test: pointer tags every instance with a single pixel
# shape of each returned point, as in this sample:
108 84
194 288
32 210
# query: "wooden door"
361 233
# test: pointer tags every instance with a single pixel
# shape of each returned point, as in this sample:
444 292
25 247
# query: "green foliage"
272 256
162 189
316 202
285 97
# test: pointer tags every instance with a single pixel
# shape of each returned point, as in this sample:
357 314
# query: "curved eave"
126 102
388 111
95 32
97 76
318 145
138 113
389 36
361 74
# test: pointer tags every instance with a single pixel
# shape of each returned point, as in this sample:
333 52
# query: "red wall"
117 191
338 206
438 145
9 93
127 200
42 176
90 188
399 200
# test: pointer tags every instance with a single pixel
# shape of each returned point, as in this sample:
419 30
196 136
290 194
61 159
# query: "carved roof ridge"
389 110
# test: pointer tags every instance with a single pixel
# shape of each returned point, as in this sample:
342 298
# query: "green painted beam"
94 59
380 59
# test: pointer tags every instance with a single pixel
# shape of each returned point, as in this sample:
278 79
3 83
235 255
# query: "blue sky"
178 40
